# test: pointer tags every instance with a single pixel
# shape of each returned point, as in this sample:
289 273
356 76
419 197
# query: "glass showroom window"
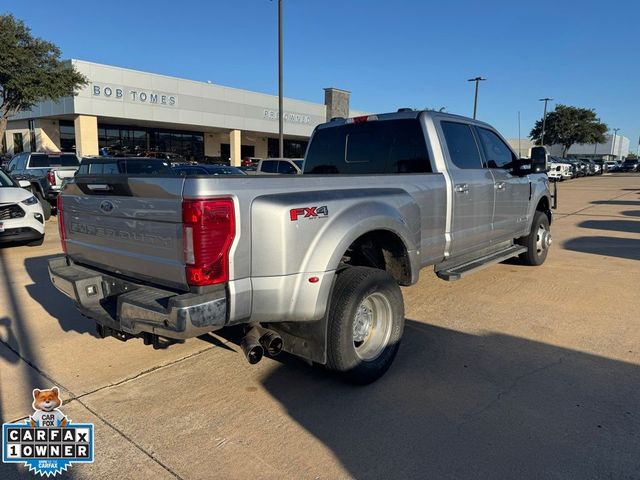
67 136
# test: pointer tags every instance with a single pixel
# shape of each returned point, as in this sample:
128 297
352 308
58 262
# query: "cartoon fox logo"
45 404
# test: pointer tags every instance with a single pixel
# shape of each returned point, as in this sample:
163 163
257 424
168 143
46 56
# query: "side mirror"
24 183
522 167
539 160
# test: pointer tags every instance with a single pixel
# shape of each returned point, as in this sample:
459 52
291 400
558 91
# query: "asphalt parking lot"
514 372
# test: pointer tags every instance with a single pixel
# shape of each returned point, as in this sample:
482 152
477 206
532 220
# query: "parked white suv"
21 216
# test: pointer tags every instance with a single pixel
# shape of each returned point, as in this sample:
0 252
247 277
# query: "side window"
13 164
462 145
22 162
286 168
409 151
497 154
269 166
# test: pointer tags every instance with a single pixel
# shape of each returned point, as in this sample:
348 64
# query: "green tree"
632 156
567 125
30 70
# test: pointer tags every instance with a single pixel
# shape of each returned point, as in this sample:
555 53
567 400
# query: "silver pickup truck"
310 264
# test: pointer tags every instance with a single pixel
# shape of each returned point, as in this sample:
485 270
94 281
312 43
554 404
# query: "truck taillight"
61 229
51 177
208 232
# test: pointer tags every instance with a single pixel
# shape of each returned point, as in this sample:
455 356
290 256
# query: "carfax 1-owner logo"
48 442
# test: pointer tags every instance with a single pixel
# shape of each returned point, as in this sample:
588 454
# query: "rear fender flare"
327 250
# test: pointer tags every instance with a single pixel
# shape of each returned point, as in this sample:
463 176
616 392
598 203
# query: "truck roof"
401 114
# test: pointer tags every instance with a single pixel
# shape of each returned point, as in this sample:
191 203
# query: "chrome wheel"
372 326
543 239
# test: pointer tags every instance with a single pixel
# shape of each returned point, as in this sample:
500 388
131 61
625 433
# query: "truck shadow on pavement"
608 246
457 405
631 226
631 203
631 213
605 246
55 303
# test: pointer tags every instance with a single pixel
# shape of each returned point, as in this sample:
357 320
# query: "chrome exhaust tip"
271 342
250 344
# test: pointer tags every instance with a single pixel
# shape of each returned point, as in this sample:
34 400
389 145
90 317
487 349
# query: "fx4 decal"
308 212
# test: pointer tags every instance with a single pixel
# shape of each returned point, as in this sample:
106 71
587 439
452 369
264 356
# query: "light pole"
613 145
519 149
544 118
475 98
280 112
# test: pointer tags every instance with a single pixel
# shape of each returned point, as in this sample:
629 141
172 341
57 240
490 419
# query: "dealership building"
615 147
127 112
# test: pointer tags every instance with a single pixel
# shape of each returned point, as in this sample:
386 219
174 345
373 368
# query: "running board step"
456 272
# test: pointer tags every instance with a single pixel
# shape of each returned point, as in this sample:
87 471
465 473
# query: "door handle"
462 188
500 185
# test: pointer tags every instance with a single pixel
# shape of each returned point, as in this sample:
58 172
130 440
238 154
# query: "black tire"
365 361
36 243
46 206
536 243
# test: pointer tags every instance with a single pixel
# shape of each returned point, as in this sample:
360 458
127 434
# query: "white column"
234 145
86 135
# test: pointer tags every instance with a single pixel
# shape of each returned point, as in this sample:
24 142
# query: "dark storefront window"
292 148
67 136
17 143
120 140
32 136
245 151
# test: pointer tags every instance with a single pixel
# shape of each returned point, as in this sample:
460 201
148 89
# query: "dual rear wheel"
365 324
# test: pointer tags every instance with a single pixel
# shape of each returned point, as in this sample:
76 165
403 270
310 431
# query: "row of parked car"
566 168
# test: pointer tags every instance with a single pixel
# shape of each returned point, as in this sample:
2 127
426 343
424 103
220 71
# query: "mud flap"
307 340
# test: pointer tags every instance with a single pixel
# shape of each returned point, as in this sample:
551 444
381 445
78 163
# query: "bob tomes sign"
133 95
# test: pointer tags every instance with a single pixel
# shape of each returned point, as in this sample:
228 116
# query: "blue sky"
389 54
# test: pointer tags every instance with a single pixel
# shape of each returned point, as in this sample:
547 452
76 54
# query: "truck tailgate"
62 173
130 226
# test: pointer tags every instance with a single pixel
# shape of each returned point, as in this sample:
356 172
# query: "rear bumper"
20 234
133 308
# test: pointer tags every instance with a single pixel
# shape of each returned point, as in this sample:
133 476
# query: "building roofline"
338 89
199 82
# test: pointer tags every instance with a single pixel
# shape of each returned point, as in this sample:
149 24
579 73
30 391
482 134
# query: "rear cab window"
44 160
125 166
372 147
